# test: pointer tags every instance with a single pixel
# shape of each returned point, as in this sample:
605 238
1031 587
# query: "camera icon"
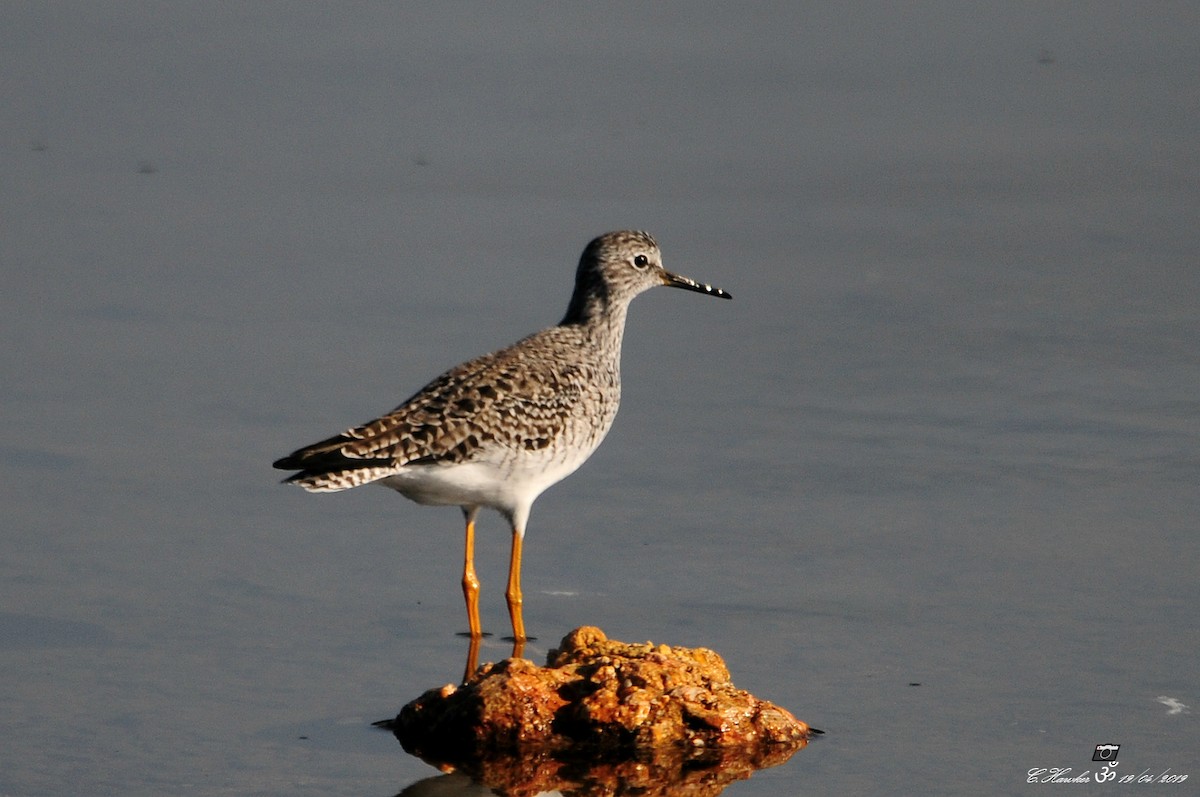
1106 752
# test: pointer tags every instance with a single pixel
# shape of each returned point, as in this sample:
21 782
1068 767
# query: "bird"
497 430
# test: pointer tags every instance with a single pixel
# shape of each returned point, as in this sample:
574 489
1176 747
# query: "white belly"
506 486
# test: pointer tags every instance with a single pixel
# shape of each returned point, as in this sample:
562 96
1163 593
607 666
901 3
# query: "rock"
636 711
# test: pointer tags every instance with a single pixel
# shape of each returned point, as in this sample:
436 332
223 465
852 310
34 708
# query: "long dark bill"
689 284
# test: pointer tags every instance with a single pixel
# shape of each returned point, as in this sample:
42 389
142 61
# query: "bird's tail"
325 467
337 480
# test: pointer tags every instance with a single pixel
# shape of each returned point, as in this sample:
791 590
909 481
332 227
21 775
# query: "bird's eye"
640 262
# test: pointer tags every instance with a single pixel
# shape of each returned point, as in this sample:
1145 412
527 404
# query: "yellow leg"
513 593
470 583
472 659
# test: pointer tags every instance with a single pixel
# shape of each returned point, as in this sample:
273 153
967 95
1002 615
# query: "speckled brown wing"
487 408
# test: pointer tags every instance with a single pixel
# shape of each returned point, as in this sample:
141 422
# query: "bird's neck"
600 321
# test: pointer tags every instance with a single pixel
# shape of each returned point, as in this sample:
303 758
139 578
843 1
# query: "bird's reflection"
453 784
518 652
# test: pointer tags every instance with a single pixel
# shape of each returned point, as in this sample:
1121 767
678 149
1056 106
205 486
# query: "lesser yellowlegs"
498 430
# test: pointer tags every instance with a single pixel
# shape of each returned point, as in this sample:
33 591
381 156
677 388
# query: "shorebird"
498 430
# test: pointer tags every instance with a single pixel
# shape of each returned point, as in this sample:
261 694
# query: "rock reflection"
671 771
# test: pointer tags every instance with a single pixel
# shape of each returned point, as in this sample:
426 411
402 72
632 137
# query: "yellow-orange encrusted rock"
607 697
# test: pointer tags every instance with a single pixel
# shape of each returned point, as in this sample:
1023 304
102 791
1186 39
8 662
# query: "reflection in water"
518 652
453 784
668 771
478 767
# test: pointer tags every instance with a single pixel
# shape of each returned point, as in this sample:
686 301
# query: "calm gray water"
946 434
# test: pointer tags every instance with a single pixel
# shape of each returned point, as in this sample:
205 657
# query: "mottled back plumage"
526 398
